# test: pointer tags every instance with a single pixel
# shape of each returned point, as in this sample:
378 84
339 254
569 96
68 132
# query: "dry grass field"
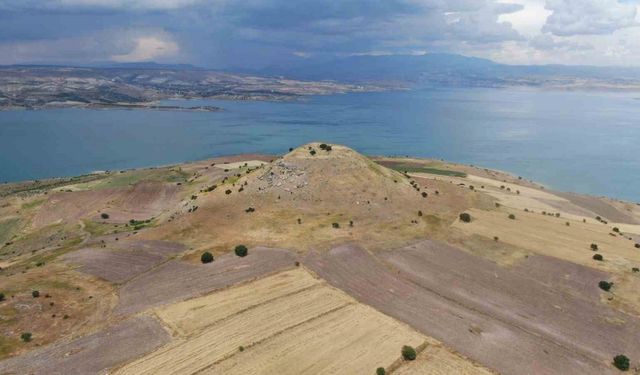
288 323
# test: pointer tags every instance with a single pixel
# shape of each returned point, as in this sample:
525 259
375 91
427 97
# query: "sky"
254 34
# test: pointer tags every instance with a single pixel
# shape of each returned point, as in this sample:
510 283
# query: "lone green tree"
465 217
621 362
408 353
206 257
241 251
26 336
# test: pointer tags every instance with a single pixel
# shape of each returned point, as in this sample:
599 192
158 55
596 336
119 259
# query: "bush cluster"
465 217
605 285
598 257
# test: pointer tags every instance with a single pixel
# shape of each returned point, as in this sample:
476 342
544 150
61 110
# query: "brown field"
503 345
92 354
159 286
119 265
275 338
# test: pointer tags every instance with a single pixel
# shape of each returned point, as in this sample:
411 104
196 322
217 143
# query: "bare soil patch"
500 345
601 207
129 259
178 280
92 354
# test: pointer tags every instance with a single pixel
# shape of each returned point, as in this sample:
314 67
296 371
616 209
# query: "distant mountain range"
456 70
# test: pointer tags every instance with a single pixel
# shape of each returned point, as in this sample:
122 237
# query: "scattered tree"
424 194
228 191
512 216
381 371
621 362
637 246
408 353
312 152
104 215
597 257
605 285
26 336
2 297
241 348
465 217
635 270
241 250
335 225
35 294
496 238
594 246
616 229
206 257
419 212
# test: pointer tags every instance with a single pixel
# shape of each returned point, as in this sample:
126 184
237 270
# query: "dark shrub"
381 371
637 246
26 336
497 204
290 149
512 216
312 152
616 229
621 362
597 257
557 214
104 215
634 269
605 285
351 223
2 297
241 348
424 195
419 213
496 238
241 251
465 217
335 225
250 209
408 353
323 146
228 191
328 148
206 257
594 246
35 294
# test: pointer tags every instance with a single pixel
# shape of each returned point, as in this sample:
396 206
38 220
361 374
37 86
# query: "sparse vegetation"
408 353
605 285
241 251
465 217
598 257
26 336
621 362
206 257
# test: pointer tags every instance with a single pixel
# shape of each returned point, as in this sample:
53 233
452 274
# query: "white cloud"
589 17
148 48
530 19
127 45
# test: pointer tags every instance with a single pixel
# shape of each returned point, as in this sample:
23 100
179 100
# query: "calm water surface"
574 141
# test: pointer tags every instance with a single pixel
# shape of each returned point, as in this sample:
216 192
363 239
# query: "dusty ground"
501 345
327 333
159 286
92 354
127 260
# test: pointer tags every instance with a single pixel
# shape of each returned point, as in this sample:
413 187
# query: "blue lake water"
573 141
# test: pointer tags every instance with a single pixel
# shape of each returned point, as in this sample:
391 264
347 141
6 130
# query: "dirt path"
501 345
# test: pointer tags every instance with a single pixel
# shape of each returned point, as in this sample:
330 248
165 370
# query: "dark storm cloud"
247 33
